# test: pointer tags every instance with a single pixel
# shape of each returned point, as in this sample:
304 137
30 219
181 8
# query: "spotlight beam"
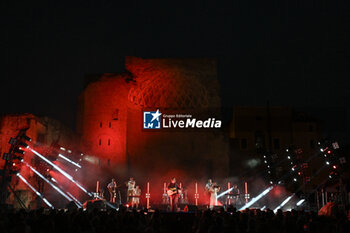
35 191
51 184
52 164
301 187
78 203
223 193
300 202
112 206
283 203
69 177
68 160
257 198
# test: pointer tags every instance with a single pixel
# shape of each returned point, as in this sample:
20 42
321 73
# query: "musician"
215 188
135 200
235 194
131 188
208 187
112 188
235 190
173 193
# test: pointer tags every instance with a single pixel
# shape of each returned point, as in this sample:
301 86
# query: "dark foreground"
202 221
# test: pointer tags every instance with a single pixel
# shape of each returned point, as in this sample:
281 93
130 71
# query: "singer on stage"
173 193
112 188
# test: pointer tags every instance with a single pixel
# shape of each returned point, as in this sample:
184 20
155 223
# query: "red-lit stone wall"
189 84
103 119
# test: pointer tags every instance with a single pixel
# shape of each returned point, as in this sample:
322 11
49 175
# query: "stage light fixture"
18 150
25 137
23 145
6 156
13 141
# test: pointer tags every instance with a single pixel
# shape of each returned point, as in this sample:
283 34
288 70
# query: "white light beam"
223 193
61 171
283 203
35 191
300 202
257 198
51 184
68 160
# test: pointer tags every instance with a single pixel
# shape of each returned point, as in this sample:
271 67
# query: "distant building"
258 129
256 132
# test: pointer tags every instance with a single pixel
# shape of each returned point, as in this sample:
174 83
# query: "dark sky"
294 53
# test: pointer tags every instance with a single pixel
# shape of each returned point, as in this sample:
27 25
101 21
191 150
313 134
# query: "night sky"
293 53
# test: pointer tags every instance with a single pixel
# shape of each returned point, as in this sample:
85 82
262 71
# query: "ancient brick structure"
110 118
44 132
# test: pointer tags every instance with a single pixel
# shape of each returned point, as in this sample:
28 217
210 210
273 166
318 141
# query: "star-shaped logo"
156 115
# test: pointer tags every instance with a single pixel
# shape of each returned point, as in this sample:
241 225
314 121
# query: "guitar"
173 191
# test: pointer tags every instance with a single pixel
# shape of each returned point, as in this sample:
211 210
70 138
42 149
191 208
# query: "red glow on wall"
278 191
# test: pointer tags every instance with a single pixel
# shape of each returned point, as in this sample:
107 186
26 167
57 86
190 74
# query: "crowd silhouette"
96 221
